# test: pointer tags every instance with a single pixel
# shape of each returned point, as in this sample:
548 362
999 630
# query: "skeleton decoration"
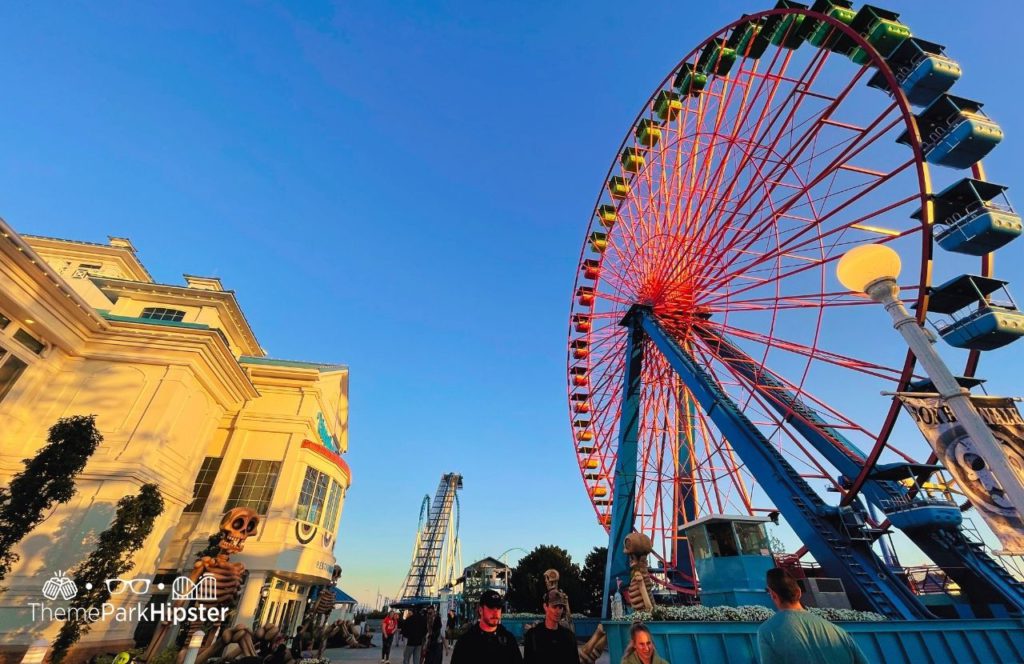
551 579
594 647
315 622
264 639
347 629
325 600
637 547
237 525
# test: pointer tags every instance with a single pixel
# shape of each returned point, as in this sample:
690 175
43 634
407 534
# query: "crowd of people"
792 636
424 636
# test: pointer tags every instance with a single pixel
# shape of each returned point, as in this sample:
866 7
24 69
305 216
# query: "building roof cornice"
123 252
69 317
225 301
206 345
322 367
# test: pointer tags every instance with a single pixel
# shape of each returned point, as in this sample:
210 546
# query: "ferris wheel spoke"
798 392
741 126
752 225
701 176
795 300
810 239
698 455
692 169
811 352
756 282
774 170
820 407
729 465
854 148
786 302
805 80
777 425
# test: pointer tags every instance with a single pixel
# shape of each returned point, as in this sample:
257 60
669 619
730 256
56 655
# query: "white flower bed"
536 616
741 614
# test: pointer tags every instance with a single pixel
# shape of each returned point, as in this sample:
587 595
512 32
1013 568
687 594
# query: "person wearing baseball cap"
550 642
487 641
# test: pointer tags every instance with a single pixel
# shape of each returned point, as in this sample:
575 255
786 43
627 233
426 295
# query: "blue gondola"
971 221
975 320
928 509
924 72
954 132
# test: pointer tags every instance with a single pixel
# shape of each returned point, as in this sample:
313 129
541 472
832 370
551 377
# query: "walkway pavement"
373 654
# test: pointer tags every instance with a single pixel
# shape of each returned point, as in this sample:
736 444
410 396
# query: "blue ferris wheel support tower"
942 540
867 579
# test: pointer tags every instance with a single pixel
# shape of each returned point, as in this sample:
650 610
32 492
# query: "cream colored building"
185 398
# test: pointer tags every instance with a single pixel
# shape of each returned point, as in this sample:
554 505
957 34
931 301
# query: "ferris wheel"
706 281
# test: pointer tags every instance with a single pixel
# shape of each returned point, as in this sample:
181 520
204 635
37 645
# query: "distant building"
486 574
185 398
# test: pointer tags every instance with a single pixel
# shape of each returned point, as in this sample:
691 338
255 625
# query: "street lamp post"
872 269
264 593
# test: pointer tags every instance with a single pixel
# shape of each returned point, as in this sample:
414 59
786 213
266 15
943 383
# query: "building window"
4 321
85 270
30 342
204 482
311 497
254 485
331 513
160 313
11 368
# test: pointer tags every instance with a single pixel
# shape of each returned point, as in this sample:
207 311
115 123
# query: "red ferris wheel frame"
592 265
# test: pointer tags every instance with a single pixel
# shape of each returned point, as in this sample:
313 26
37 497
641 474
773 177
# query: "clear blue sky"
401 187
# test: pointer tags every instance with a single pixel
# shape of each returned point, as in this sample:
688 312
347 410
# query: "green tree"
526 592
592 580
48 478
112 557
775 545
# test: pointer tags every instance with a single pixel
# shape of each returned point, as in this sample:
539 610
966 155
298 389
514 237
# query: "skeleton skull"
551 579
638 545
236 526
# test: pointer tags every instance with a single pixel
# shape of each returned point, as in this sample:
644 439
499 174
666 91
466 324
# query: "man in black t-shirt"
414 629
487 642
551 643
